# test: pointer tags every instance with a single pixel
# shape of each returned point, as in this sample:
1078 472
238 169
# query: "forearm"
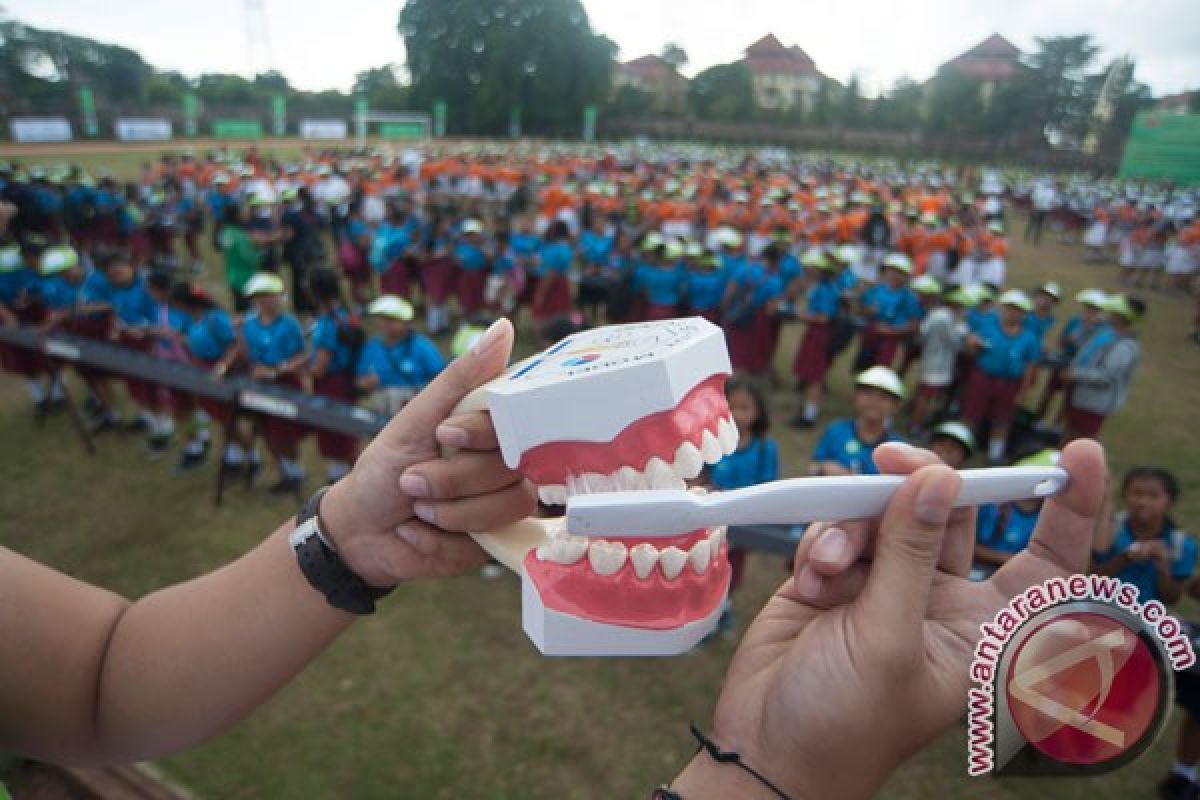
185 663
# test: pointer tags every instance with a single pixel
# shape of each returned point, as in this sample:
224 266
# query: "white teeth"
714 540
727 434
589 483
643 557
630 479
659 475
606 558
553 495
672 559
699 556
688 461
563 549
710 448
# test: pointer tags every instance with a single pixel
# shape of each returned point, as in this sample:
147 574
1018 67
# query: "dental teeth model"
626 407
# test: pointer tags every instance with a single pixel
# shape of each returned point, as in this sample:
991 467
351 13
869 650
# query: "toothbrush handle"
861 496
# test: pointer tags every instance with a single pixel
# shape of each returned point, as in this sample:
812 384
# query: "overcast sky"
321 44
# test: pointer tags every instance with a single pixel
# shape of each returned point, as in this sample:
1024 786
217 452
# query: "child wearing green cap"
1100 374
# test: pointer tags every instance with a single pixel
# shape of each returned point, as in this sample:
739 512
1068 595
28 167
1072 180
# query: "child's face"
743 410
1044 303
268 304
120 274
893 277
1090 315
952 454
1147 500
874 405
1011 316
393 328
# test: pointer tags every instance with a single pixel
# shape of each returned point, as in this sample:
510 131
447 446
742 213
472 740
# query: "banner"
360 117
191 114
323 129
237 128
278 115
40 129
87 110
589 123
439 118
402 130
142 129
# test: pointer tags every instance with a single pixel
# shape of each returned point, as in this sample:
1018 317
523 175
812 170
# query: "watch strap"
324 568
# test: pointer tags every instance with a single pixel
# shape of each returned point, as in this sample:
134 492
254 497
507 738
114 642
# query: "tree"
1057 81
722 93
630 102
271 82
955 104
899 108
850 104
485 57
674 55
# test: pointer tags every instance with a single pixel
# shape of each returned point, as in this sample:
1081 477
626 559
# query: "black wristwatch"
322 566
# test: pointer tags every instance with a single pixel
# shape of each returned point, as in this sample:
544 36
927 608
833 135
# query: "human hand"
399 514
863 656
262 372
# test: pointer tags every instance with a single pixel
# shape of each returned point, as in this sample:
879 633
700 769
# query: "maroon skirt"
220 413
336 446
812 357
397 279
470 290
750 344
556 300
655 312
281 433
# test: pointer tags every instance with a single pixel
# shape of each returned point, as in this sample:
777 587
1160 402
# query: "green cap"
1043 458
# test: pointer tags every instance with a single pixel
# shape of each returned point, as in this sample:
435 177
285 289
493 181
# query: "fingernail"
416 538
491 337
831 546
408 534
426 512
450 436
934 500
414 485
809 583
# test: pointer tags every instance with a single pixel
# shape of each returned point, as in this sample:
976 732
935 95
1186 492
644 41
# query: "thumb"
484 361
907 549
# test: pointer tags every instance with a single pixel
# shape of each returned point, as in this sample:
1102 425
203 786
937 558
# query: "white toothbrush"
669 512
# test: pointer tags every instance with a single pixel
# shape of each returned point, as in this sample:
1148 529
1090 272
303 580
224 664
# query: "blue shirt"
470 257
1015 533
1039 326
661 285
525 245
272 344
896 307
705 289
758 462
766 285
57 292
1094 346
325 337
1003 355
131 304
15 283
211 336
823 299
845 281
389 244
410 363
790 268
556 258
840 443
595 248
976 318
1144 574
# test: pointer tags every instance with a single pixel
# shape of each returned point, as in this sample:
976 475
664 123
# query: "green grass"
440 695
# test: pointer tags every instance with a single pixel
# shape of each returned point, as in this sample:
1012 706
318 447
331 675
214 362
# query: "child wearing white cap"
846 445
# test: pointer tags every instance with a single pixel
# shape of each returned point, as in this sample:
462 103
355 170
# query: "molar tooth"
643 557
629 479
606 558
727 434
698 556
659 475
671 560
553 494
562 549
588 483
711 448
688 461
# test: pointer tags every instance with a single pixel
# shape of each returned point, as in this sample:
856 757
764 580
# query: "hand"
263 373
1138 552
863 656
399 514
1155 551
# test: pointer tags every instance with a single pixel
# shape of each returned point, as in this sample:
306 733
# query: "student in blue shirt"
551 300
892 311
473 258
397 358
1006 354
704 286
1077 330
659 278
1040 321
813 356
753 293
756 460
1144 546
18 285
59 285
273 343
598 276
337 341
1003 530
209 335
846 445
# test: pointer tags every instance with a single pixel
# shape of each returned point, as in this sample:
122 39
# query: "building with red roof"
993 61
783 77
657 78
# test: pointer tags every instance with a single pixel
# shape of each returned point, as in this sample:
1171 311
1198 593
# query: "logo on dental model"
579 361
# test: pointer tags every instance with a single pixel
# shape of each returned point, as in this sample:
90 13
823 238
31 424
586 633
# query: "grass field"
440 695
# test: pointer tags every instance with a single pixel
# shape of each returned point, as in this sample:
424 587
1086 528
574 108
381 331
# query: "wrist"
704 778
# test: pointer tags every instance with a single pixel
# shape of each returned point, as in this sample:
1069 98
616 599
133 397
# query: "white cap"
926 284
389 305
898 261
1051 288
881 378
10 258
263 283
957 431
59 259
472 226
1015 298
1092 297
